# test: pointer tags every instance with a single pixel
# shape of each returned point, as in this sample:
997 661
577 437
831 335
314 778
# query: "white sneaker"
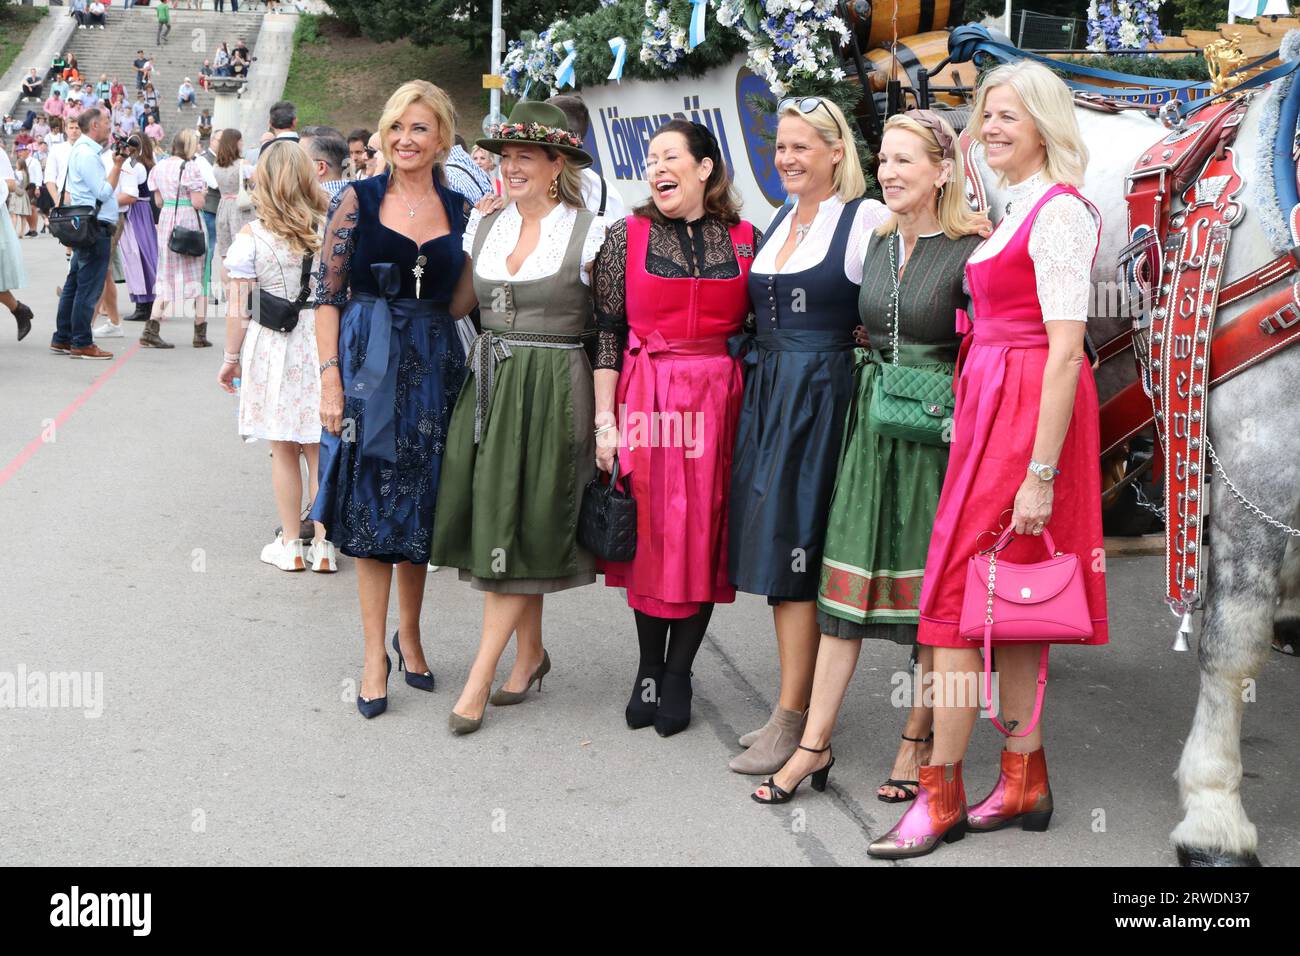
287 556
435 568
108 331
323 557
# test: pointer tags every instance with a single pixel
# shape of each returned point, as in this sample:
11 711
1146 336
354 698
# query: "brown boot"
201 336
774 746
150 337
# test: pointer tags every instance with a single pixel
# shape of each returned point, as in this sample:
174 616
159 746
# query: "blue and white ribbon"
697 23
564 74
617 46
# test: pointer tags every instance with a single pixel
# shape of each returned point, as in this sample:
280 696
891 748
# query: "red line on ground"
35 444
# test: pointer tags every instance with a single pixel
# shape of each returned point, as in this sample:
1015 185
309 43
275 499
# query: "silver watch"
1045 472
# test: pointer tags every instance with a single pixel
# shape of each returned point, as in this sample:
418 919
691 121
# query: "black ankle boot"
674 714
644 702
142 313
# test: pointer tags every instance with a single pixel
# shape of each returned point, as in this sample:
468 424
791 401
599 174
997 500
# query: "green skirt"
507 512
881 515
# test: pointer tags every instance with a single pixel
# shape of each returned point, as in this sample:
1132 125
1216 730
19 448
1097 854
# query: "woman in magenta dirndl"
1025 440
670 289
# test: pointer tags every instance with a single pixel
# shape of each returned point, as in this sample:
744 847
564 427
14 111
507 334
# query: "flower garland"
533 59
663 39
793 44
1123 24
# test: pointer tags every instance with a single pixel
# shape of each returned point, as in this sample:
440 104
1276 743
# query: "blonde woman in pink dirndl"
1025 441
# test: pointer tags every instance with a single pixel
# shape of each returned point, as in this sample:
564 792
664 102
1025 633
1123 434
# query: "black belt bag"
281 315
75 226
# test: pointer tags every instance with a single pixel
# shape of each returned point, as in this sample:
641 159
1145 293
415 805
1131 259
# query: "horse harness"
1172 269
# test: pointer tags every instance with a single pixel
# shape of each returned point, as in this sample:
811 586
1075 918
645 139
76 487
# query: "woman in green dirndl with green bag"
520 447
894 451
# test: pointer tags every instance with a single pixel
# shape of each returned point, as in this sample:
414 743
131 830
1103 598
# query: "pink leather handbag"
1042 603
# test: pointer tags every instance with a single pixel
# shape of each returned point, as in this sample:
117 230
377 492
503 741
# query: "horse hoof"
1197 856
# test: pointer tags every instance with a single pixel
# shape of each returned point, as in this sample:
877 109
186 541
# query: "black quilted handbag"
184 241
607 519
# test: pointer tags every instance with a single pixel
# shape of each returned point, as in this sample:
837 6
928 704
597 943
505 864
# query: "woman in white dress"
279 383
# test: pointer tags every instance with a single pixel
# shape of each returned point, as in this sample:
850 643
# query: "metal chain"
894 240
1146 502
1250 506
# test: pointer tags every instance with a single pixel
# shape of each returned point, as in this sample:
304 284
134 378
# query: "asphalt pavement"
217 722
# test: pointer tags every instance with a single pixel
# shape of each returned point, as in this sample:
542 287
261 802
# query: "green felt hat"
540 124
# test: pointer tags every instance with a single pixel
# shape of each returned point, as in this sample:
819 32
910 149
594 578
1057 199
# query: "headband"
931 121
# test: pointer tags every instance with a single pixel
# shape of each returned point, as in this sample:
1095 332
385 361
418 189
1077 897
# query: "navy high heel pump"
418 681
377 705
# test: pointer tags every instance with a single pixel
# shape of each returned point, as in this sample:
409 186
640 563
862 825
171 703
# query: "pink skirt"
998 394
677 414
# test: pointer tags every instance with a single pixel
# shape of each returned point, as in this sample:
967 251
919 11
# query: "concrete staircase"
195 37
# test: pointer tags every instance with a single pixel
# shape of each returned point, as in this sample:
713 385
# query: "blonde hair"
568 183
185 144
423 92
955 215
1051 107
289 201
833 127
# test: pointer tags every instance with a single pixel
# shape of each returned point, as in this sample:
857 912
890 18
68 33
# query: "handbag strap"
988 659
300 302
894 239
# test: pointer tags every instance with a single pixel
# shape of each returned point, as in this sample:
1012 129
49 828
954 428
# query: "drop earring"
554 191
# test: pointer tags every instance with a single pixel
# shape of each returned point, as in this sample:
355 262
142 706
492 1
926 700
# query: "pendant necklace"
418 272
410 210
800 232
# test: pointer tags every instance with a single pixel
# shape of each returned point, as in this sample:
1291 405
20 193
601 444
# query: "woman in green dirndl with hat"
520 448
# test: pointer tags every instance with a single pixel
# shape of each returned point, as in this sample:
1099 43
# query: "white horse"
1252 426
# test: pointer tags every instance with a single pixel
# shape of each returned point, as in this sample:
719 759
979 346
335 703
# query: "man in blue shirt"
86 184
464 175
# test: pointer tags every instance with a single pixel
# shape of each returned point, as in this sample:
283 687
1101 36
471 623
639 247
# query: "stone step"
195 36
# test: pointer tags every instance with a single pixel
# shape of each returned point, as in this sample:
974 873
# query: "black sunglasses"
807 104
370 151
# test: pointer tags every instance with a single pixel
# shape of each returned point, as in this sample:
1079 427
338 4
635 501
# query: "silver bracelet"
229 359
603 428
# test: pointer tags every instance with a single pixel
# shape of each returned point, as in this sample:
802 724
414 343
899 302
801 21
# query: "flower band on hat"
536 133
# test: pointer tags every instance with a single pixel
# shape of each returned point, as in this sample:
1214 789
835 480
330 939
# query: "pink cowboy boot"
1022 794
938 813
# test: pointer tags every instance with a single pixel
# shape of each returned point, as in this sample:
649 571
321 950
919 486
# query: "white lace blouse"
814 246
546 259
1062 243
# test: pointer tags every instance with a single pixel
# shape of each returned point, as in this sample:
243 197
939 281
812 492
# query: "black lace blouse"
676 250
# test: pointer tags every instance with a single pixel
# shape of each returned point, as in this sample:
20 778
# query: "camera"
124 145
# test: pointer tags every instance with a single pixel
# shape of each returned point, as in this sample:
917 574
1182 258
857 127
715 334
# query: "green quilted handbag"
910 403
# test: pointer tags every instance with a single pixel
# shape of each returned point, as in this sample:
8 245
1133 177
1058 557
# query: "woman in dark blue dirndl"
391 367
798 385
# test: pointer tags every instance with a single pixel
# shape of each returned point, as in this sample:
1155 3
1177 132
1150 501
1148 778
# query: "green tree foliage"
1193 15
435 22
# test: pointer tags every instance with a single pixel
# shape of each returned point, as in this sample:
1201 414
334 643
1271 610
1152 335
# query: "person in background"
111 327
328 153
71 72
484 160
185 93
154 130
139 110
464 175
206 160
95 14
179 190
87 185
279 390
31 85
601 196
20 204
54 106
204 125
221 63
358 140
12 274
151 97
378 162
164 22
205 71
142 67
104 90
138 242
116 91
77 10
283 122
57 163
230 169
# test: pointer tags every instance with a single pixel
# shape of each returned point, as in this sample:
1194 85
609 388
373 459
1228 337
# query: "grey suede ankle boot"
775 745
747 740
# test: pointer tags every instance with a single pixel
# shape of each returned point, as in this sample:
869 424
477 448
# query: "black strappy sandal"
904 785
819 779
